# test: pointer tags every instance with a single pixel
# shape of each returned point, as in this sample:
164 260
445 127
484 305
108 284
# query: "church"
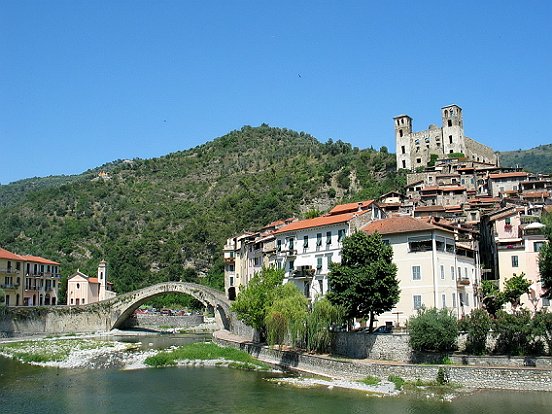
83 289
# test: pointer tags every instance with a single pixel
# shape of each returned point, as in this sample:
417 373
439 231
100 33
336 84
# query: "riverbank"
469 377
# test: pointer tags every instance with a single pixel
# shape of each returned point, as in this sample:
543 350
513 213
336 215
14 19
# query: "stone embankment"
506 378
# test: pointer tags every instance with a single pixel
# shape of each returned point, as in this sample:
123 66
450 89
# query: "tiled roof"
93 280
404 224
6 254
453 188
38 259
536 194
319 222
509 175
350 207
429 208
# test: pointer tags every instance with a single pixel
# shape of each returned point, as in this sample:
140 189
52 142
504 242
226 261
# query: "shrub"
477 325
516 333
433 330
398 381
443 376
543 327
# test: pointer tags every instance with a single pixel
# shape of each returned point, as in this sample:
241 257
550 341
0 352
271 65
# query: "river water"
28 389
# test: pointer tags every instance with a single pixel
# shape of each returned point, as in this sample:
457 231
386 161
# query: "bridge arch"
124 305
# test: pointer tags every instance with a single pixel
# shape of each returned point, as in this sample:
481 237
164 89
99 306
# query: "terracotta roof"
536 194
38 259
455 207
404 224
453 188
431 188
350 207
429 208
508 175
93 280
319 222
6 254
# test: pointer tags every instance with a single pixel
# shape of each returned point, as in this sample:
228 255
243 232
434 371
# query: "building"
28 280
419 149
82 289
433 269
306 248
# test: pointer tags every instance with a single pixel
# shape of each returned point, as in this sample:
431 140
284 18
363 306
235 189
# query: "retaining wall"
527 379
186 321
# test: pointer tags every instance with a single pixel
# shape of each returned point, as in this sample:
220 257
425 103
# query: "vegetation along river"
31 389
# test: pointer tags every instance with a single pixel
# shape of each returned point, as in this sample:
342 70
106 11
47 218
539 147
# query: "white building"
433 270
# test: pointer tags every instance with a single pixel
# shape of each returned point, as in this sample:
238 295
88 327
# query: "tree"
514 288
365 283
286 315
253 301
434 330
477 325
543 326
320 319
545 258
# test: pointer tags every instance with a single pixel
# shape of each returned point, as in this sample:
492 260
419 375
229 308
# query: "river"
29 389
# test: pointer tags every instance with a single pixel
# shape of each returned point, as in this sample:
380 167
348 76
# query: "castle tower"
453 130
102 279
403 129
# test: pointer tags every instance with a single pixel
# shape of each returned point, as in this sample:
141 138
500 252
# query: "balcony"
289 252
517 245
9 270
229 260
9 286
463 281
303 272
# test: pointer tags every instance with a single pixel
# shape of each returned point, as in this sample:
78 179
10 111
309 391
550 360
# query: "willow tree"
365 283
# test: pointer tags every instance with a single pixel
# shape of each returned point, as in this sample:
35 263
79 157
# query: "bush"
433 330
543 327
477 325
516 334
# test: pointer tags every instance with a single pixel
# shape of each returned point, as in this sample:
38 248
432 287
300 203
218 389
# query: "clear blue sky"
87 82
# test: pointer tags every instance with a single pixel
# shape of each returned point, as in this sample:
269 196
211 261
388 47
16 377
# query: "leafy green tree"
514 288
252 303
320 319
543 326
516 334
286 315
365 283
433 330
313 213
477 325
545 258
2 298
491 297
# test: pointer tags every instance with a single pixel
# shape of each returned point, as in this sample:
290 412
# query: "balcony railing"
510 246
9 270
9 286
463 281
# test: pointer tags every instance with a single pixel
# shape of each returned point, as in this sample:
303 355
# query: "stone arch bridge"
112 313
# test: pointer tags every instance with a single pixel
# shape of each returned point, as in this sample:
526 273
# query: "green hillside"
167 218
537 160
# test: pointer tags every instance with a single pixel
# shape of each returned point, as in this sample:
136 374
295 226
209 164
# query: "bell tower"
403 129
453 130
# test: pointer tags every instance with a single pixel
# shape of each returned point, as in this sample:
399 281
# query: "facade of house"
83 289
28 280
433 269
502 183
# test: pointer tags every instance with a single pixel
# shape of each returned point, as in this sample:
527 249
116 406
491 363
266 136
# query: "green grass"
398 381
370 380
205 351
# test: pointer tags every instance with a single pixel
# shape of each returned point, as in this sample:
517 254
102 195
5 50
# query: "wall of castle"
479 152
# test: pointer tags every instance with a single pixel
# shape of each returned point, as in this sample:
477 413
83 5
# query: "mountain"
536 160
167 218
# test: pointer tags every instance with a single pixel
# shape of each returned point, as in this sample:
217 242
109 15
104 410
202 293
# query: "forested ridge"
167 218
536 160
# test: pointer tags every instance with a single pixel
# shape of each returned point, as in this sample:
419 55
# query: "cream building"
432 268
82 289
28 280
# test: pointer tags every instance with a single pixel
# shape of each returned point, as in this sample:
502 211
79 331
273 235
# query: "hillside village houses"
461 219
83 289
28 280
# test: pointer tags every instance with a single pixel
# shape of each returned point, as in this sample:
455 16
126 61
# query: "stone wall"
529 379
474 148
165 320
391 347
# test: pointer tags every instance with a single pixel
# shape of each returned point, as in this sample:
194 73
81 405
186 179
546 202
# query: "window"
403 150
403 163
340 235
306 242
545 302
418 160
453 300
290 243
328 237
537 246
452 272
507 219
319 263
321 286
231 281
416 273
279 245
420 244
290 266
443 300
459 272
450 140
515 262
442 272
319 239
329 260
417 299
401 134
465 273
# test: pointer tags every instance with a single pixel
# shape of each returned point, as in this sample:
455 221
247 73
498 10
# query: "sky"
83 83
